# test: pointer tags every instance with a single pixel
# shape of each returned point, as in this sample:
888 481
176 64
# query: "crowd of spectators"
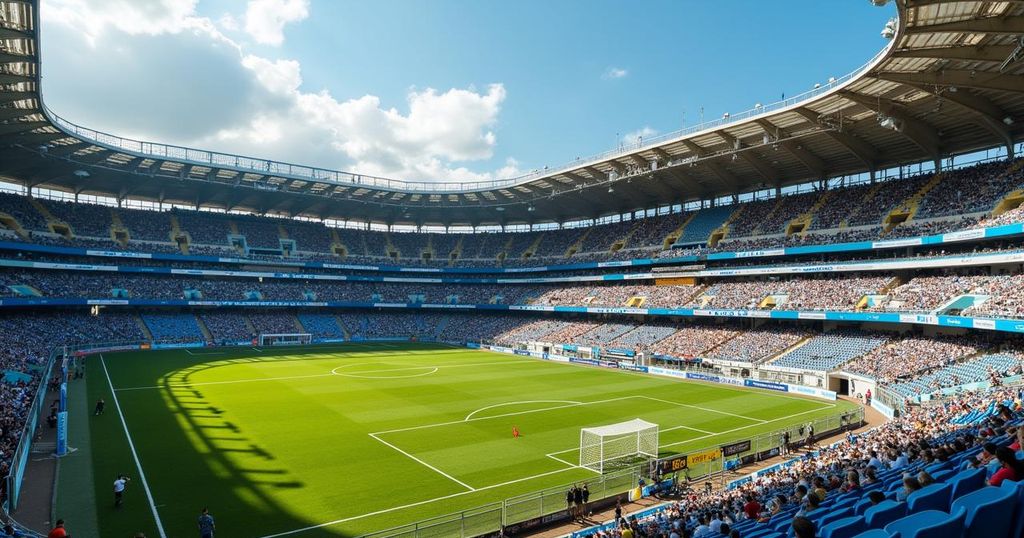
794 498
851 214
912 355
758 344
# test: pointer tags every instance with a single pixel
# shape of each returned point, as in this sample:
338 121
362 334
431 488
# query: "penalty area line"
425 464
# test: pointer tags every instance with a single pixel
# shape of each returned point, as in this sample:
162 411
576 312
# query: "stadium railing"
21 453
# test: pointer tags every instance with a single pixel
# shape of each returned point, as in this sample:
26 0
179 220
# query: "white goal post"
286 339
615 442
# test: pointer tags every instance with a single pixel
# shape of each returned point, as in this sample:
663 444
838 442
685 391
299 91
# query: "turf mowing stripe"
425 464
135 455
331 373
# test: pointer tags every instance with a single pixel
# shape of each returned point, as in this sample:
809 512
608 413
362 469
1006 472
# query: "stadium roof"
948 82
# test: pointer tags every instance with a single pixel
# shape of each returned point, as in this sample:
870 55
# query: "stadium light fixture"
1008 120
889 122
531 208
81 174
879 3
889 30
610 189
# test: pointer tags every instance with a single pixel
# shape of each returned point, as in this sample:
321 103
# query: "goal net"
615 445
285 339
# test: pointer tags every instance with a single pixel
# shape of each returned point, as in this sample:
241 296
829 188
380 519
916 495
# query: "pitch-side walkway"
872 419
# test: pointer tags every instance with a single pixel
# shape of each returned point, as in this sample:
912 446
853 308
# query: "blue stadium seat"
843 528
761 533
862 506
929 524
834 515
874 533
883 513
966 482
1018 514
932 497
989 512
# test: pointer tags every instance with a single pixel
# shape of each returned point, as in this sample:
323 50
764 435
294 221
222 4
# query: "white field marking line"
412 505
425 464
229 382
406 368
571 465
189 351
135 455
256 349
285 378
449 423
432 370
469 416
708 409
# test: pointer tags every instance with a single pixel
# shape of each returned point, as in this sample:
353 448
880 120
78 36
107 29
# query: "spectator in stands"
1010 467
59 531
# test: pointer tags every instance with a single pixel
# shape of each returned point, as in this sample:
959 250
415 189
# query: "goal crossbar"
631 439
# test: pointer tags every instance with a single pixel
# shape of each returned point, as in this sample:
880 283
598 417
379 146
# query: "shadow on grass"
189 452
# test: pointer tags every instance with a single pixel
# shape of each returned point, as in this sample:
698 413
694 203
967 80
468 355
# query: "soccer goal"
614 445
285 339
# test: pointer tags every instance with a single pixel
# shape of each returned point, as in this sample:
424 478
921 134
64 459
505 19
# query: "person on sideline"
206 524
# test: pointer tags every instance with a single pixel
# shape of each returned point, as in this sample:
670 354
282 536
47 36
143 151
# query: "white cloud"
179 80
637 137
265 19
614 73
228 22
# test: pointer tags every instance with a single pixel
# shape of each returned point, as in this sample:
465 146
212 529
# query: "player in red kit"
515 432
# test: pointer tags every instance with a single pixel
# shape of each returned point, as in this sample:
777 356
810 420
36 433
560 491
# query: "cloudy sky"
435 89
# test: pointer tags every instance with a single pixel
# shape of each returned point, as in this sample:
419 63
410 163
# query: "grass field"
348 439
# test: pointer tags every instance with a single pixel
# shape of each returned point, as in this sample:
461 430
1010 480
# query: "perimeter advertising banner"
735 448
706 456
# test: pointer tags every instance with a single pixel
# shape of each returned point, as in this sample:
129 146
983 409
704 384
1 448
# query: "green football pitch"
347 439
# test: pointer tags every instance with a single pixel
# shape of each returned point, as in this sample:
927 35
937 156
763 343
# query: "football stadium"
805 319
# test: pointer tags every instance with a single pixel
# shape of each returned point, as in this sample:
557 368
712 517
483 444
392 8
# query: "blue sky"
440 89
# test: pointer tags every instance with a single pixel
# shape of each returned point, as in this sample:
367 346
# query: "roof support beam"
767 172
960 79
10 97
988 114
11 33
992 53
726 177
920 133
813 163
859 148
595 174
639 161
988 25
67 149
15 113
21 127
8 58
93 158
7 78
662 155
